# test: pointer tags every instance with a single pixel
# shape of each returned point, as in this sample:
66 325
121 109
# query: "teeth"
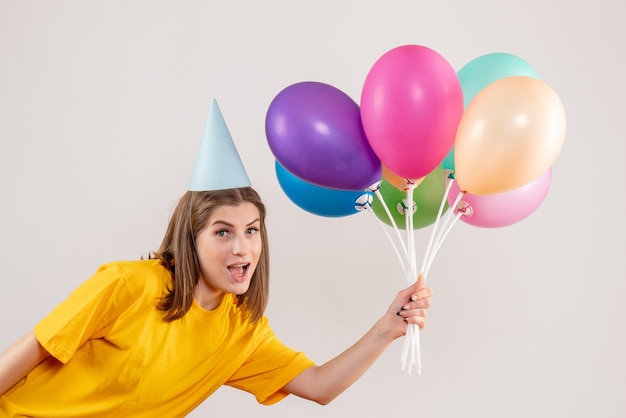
238 268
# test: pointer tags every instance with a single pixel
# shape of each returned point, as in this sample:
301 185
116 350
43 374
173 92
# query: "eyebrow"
219 221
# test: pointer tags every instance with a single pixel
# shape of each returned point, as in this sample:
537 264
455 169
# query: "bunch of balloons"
423 139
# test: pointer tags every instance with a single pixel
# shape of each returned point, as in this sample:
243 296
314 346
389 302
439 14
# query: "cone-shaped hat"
218 165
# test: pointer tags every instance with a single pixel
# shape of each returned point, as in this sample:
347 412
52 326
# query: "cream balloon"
510 133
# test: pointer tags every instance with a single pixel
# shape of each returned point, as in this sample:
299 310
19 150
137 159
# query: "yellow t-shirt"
114 355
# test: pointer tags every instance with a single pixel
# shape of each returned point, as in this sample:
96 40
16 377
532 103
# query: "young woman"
156 337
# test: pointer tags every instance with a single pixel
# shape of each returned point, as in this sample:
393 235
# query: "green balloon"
427 197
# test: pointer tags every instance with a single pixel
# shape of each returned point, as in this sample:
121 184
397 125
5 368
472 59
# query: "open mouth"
238 269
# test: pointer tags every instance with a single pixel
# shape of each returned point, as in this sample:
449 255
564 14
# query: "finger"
422 293
415 316
413 313
417 320
421 302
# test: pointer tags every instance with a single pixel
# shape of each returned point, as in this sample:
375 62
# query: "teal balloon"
482 71
448 162
318 200
427 198
485 69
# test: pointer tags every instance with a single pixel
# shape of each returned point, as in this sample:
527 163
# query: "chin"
241 288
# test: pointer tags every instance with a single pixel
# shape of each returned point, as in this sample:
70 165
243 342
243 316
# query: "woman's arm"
324 383
19 359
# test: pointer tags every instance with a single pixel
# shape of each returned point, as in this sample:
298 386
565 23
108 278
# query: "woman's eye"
252 231
222 233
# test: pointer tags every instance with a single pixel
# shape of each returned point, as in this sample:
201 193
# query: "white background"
102 106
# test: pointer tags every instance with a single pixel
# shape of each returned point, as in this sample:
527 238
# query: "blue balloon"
318 200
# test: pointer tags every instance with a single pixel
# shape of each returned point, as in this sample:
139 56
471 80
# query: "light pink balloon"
503 209
411 105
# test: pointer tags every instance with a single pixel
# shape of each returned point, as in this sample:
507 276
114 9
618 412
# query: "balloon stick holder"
411 353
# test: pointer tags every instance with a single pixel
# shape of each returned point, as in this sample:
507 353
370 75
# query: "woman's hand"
409 307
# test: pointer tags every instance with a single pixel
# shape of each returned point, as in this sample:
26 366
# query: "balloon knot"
363 202
464 208
402 207
374 187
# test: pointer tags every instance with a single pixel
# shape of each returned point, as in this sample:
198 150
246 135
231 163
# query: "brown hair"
178 251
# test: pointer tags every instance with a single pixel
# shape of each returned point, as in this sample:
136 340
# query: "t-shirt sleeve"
89 311
270 367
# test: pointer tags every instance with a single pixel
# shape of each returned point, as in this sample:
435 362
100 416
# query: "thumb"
421 280
415 287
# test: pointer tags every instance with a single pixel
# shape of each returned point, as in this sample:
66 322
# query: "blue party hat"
218 165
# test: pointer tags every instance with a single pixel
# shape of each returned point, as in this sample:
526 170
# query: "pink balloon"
411 104
503 209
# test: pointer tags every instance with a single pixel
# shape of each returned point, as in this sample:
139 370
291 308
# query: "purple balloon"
314 130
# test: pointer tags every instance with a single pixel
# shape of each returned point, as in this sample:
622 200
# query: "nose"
240 245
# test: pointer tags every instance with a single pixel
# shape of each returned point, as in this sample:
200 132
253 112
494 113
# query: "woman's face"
228 249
